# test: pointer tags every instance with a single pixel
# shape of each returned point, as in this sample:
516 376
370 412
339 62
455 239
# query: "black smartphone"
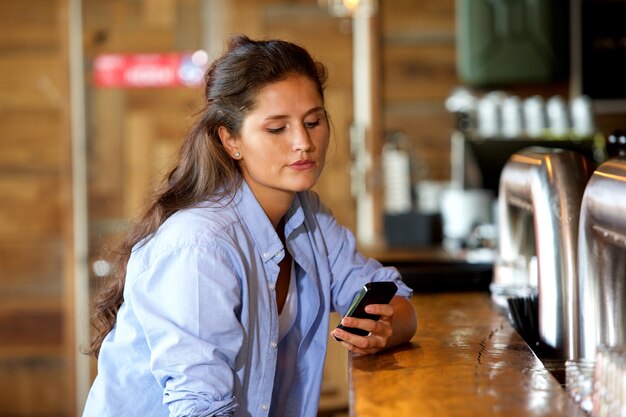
380 292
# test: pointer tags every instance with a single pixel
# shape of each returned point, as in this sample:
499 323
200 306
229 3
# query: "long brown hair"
204 170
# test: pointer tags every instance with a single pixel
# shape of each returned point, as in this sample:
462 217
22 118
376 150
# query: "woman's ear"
229 141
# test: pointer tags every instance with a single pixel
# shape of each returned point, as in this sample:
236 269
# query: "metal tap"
540 194
602 259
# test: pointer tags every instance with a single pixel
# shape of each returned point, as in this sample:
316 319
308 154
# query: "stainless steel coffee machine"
539 203
602 265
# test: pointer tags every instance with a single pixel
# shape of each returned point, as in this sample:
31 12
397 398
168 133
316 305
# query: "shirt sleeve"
187 303
350 268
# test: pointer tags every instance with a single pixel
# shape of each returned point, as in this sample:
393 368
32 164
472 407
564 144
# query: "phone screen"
371 293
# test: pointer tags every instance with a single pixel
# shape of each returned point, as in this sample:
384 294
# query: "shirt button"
264 407
266 254
273 344
271 286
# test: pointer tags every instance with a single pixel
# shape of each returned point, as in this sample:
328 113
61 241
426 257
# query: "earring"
237 155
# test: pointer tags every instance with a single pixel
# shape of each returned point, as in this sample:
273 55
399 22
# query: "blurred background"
96 95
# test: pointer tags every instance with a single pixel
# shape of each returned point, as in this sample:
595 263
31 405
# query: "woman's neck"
275 206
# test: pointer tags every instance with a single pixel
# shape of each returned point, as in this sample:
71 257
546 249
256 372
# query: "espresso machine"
540 196
602 264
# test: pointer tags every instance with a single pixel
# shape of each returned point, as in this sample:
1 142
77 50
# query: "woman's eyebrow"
285 116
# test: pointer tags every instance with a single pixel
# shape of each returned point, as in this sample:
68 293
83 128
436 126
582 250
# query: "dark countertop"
427 269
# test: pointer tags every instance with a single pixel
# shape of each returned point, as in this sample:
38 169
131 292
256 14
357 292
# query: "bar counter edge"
465 360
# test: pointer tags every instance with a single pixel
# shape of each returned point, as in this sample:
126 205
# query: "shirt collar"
294 217
265 238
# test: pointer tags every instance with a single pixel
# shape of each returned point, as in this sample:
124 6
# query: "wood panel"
36 348
38 387
105 138
154 119
429 128
244 16
130 40
139 176
23 142
298 23
133 133
29 268
39 328
418 71
406 17
31 80
142 26
33 210
28 28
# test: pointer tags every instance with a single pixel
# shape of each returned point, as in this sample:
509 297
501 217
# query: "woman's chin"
303 184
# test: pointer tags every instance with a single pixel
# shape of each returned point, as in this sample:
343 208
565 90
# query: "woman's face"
284 138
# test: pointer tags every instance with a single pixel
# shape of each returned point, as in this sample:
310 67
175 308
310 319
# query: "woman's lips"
302 165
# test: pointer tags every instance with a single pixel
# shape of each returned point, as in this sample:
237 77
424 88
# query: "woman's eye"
311 125
276 130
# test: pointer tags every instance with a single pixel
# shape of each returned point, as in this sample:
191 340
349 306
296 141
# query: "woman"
221 300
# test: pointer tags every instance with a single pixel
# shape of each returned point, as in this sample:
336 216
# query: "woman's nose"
302 140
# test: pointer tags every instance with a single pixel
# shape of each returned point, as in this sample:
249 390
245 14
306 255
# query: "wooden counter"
466 360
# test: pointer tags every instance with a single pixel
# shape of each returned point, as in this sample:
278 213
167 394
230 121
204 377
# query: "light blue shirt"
197 334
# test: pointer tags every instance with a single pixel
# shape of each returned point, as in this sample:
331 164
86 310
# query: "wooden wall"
419 72
35 214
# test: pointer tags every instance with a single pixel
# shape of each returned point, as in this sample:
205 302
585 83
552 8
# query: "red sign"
150 70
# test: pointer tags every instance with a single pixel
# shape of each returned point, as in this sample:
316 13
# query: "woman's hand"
396 325
379 331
